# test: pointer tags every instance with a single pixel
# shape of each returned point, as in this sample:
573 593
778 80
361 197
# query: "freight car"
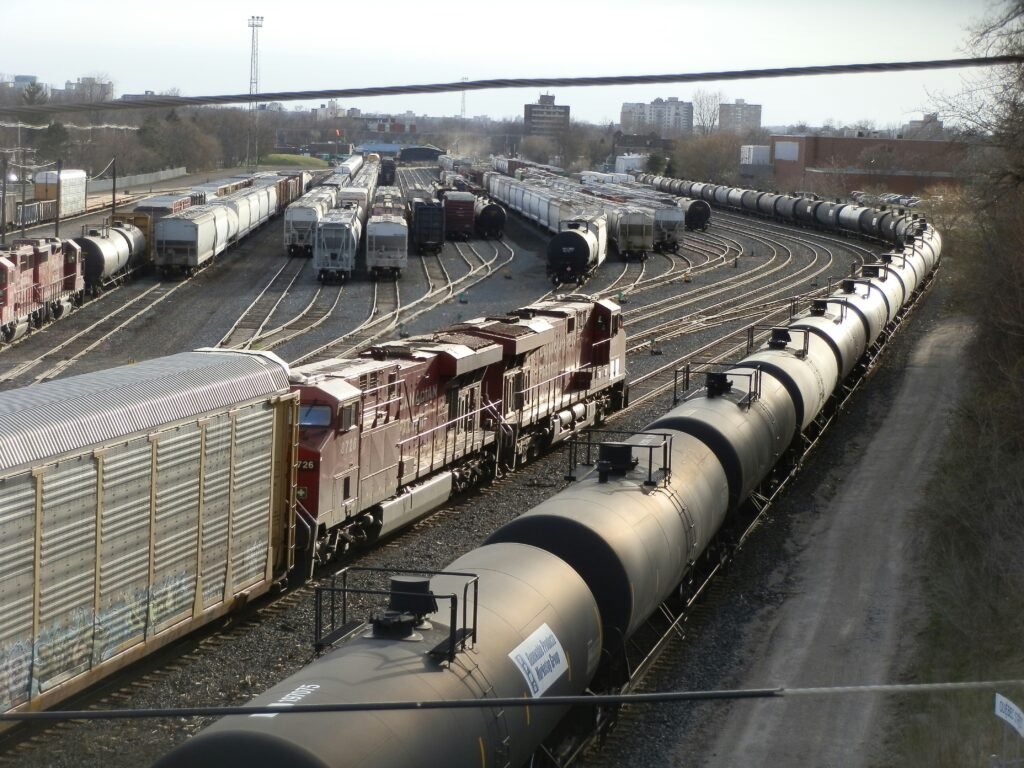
142 502
387 246
109 252
302 217
387 171
458 214
578 249
488 218
113 472
336 242
551 599
426 217
69 188
188 240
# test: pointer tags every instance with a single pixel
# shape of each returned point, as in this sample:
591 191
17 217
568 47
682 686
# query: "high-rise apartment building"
739 117
667 117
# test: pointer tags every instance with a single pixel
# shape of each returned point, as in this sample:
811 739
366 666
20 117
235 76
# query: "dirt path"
851 595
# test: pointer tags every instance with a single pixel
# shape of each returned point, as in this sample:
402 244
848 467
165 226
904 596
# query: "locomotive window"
571 324
347 417
315 416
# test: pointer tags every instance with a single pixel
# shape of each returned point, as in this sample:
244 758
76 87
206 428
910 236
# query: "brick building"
840 163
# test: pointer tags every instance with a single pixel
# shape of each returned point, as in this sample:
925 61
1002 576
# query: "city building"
545 118
84 89
668 117
928 127
739 117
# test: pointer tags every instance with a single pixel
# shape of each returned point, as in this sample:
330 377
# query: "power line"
158 102
667 697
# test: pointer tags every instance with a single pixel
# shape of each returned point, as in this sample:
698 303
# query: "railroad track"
254 319
322 307
796 282
65 354
381 317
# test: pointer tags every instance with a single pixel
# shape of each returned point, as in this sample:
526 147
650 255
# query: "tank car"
488 218
108 252
697 212
577 250
533 632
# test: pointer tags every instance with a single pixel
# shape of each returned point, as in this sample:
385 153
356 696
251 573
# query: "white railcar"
73 189
302 217
387 245
187 241
336 243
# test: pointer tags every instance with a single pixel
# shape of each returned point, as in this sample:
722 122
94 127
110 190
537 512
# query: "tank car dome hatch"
411 600
780 338
717 384
614 457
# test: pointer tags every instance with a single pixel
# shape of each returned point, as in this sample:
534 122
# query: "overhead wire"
666 697
504 83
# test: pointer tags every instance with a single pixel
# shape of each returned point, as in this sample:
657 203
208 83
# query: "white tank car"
336 243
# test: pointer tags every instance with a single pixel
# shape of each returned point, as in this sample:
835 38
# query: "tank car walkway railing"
590 449
332 624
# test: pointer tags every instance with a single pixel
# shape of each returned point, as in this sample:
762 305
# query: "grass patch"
294 161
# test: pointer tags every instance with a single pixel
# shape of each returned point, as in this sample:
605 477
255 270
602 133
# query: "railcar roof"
56 418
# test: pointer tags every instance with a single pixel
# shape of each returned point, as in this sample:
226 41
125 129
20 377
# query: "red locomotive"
386 437
40 279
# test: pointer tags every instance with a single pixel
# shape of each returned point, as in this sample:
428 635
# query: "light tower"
255 23
464 79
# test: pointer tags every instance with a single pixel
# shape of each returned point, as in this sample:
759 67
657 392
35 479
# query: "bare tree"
705 111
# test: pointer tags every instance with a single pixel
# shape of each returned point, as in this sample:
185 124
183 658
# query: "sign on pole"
1011 713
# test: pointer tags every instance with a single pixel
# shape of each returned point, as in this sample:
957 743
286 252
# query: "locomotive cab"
327 469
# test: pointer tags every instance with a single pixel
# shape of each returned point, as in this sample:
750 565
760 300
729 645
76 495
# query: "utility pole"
255 23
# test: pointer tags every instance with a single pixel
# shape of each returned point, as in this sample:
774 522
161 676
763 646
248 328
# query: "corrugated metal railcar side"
152 500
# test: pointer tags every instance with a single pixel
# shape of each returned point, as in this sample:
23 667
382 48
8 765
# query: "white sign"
1011 713
540 659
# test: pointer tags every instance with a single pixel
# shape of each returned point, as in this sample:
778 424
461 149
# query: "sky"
203 47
